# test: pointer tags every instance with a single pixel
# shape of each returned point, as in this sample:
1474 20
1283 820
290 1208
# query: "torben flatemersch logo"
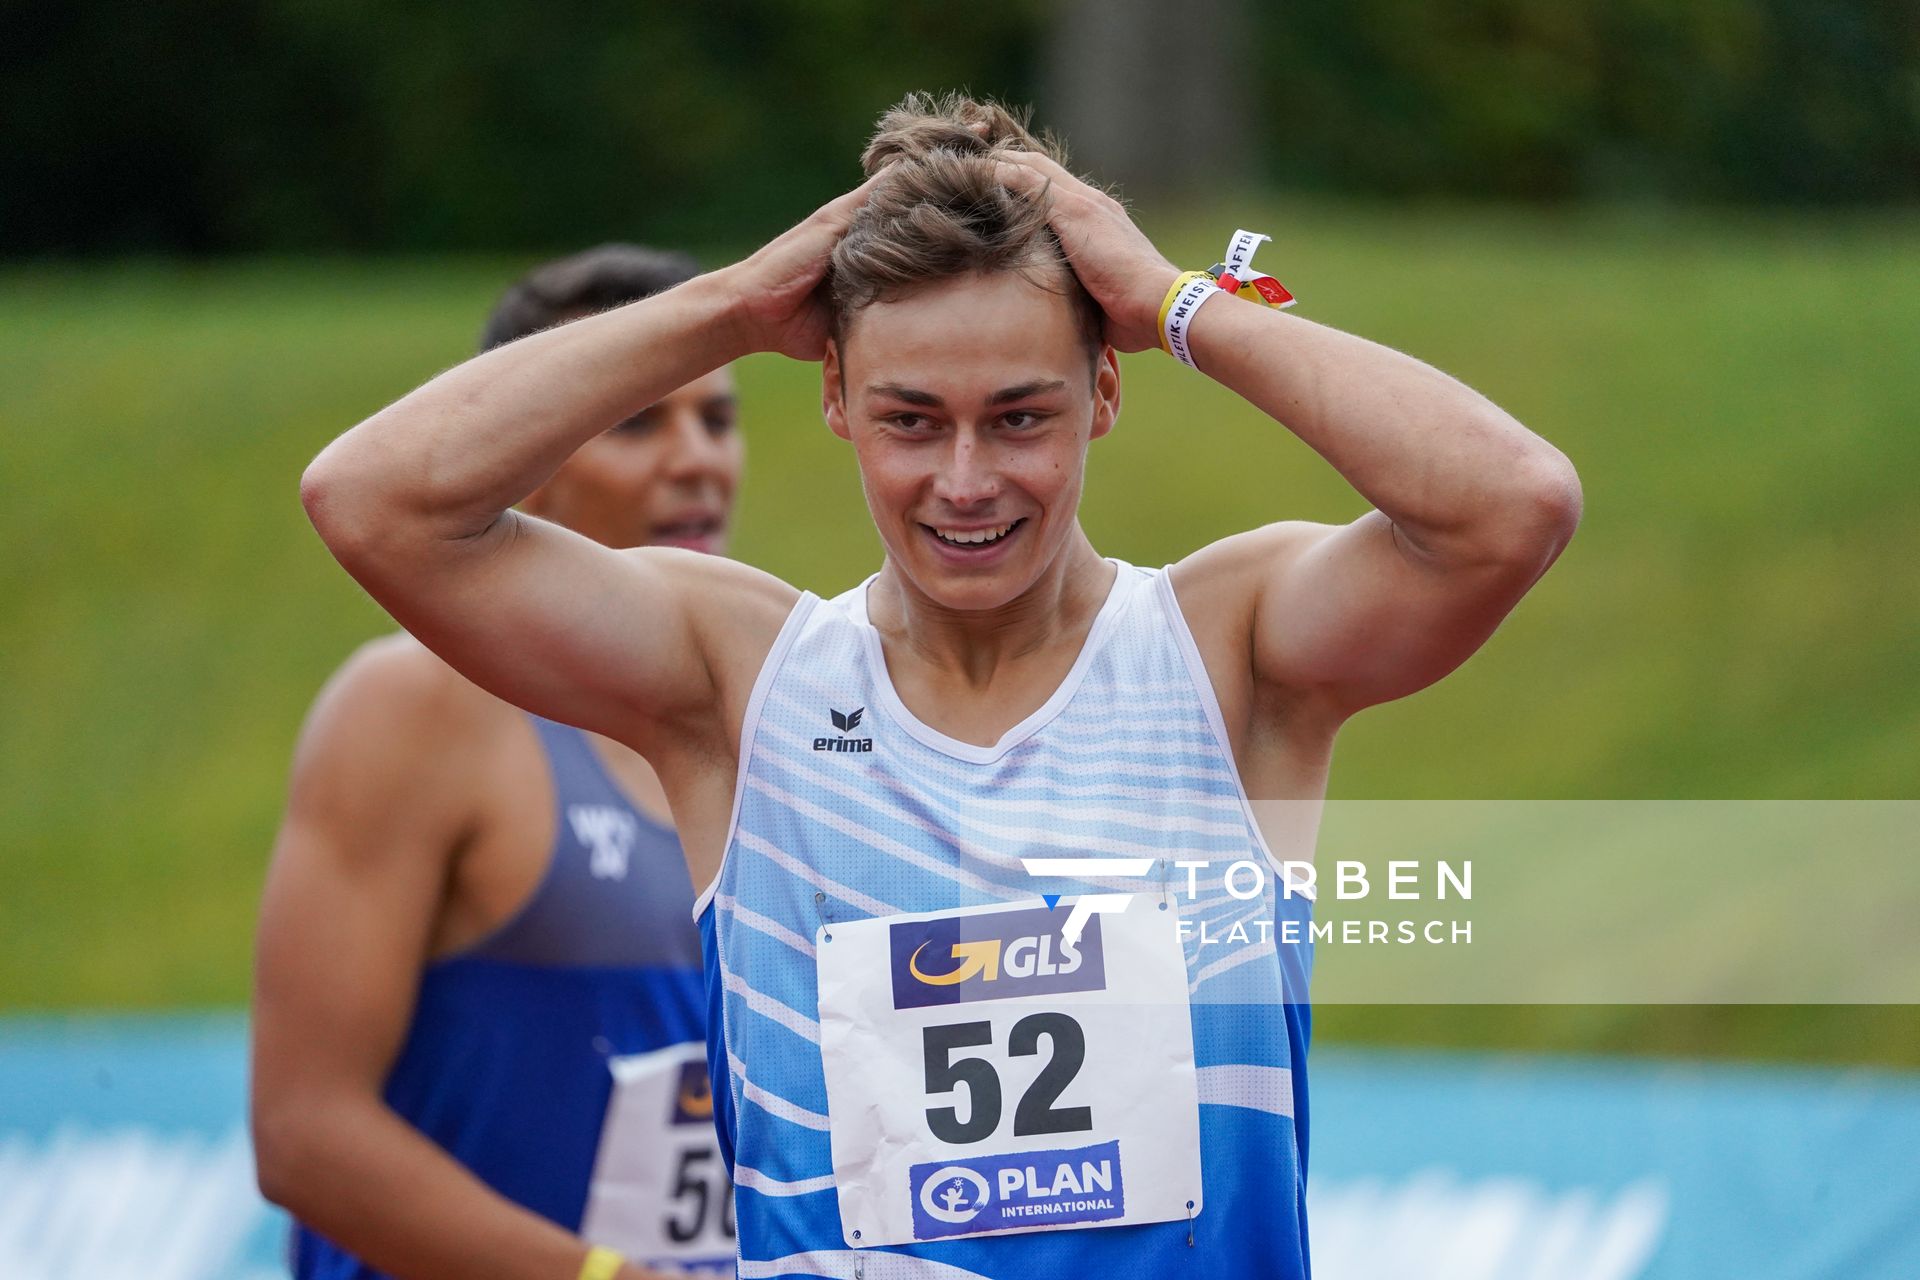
846 722
1248 879
1088 905
960 959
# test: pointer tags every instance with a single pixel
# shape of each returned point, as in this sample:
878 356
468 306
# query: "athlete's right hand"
777 291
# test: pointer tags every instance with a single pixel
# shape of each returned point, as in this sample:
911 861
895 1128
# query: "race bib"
660 1193
984 1075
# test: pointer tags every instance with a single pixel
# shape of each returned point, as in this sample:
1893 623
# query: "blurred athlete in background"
478 1019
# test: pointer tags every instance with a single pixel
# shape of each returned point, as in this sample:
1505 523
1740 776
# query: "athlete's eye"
1022 419
639 424
908 421
719 421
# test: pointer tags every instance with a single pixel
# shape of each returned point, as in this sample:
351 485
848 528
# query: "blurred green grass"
1736 618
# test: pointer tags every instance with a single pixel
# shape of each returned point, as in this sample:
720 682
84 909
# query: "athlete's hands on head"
782 309
1116 262
781 305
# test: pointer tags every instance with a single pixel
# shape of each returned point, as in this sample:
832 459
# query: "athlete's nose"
694 450
968 477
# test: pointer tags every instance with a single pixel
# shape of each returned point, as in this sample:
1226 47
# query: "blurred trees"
1805 101
415 124
212 125
1148 94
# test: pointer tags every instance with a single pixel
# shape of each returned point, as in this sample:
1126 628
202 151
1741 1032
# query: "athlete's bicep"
337 961
374 815
1355 614
1362 612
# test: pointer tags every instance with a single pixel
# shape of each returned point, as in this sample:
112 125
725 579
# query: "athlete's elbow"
275 1182
335 500
1555 499
319 496
307 1141
1538 513
281 1141
352 504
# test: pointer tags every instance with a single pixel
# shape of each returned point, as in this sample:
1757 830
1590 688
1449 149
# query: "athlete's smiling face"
970 404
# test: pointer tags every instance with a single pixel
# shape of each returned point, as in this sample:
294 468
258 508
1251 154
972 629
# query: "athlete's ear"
833 393
1106 392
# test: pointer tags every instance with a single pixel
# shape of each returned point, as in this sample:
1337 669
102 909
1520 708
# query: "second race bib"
660 1193
986 1076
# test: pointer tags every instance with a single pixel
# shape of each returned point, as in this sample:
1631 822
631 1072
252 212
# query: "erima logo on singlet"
846 722
992 956
608 834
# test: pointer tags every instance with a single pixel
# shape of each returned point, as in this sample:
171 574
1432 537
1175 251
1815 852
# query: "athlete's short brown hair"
941 213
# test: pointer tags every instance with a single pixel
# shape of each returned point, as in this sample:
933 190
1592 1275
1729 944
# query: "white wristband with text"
1180 315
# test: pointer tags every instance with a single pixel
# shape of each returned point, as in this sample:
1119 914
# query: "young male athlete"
941 820
478 1024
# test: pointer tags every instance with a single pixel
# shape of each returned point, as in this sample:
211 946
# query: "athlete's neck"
971 646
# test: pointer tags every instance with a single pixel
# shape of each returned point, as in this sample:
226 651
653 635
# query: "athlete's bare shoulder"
394 702
1221 588
397 672
735 611
1222 581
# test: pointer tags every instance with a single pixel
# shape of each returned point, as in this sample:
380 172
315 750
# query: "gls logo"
992 956
846 722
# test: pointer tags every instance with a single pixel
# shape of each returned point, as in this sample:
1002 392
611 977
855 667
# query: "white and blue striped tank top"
849 808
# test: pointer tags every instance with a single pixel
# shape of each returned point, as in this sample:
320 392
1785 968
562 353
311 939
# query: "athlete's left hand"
1116 262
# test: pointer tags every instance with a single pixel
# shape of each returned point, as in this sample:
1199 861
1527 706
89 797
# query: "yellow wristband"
601 1264
1166 304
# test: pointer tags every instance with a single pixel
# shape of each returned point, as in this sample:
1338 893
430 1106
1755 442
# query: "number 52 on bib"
986 1076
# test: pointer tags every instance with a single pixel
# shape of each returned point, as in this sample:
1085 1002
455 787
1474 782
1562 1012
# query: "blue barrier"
123 1153
1443 1165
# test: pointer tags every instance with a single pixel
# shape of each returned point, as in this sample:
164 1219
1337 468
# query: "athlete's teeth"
978 536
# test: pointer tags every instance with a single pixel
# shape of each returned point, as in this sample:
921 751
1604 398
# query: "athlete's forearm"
1454 472
366 1180
446 460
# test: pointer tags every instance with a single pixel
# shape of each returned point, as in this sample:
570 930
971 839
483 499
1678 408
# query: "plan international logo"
1021 1189
960 959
